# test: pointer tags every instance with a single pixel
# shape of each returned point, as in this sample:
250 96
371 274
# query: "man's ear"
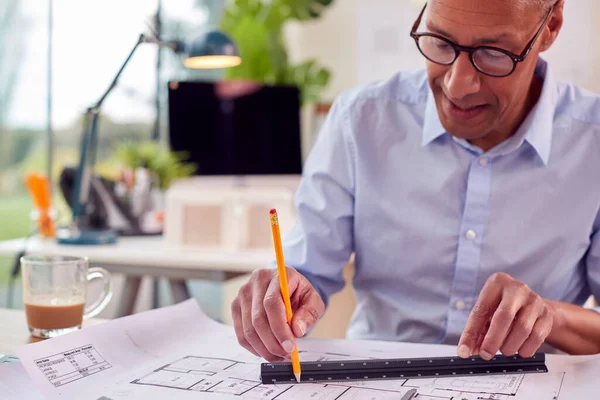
554 26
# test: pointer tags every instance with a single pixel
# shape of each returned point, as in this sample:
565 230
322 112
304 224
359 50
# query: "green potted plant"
257 28
165 166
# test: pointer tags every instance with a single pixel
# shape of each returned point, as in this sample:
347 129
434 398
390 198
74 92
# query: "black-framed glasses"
488 60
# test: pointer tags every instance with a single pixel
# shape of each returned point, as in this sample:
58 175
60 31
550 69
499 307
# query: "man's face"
472 105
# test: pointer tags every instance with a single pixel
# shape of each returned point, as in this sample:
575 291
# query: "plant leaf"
307 9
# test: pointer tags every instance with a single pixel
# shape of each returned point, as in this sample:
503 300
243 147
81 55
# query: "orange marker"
283 283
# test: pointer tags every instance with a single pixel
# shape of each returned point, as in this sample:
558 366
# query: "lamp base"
87 238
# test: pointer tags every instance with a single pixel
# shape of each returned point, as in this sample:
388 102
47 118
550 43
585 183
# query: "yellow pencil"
283 283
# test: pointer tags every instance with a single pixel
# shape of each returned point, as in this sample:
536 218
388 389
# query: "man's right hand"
259 315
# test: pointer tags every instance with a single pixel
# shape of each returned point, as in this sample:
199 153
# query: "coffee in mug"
55 293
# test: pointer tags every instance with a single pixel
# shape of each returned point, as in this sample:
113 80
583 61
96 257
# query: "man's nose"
462 79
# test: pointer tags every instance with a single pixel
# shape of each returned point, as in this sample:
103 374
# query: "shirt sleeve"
320 243
593 262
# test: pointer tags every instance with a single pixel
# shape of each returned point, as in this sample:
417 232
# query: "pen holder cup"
43 221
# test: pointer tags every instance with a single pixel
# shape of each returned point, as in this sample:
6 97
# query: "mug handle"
107 292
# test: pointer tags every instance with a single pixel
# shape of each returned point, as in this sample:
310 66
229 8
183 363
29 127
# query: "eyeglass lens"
489 61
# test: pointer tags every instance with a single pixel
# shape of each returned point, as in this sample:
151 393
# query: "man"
469 194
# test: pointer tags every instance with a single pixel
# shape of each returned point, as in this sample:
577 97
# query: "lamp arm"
89 136
113 84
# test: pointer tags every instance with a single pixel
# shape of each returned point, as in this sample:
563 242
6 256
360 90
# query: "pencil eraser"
273 211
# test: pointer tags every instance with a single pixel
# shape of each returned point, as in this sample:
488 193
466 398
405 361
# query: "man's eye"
492 54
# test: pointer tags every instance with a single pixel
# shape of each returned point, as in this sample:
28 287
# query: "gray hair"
545 4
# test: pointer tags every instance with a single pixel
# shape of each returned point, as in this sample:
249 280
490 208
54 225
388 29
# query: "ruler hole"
408 362
430 361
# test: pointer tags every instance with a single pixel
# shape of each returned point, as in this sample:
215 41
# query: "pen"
283 283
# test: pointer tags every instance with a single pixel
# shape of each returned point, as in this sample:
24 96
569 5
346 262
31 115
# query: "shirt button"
460 305
483 161
471 235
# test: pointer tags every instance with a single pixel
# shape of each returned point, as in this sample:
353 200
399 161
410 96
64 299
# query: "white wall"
333 40
330 39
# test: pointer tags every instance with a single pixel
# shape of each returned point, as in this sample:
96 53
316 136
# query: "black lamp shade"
213 49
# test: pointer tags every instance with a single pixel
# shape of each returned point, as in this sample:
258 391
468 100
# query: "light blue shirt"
430 218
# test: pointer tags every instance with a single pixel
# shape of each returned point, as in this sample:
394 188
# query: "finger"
310 310
260 320
477 347
521 329
480 316
249 332
236 314
502 321
275 311
538 335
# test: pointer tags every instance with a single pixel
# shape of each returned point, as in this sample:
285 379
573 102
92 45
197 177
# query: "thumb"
309 311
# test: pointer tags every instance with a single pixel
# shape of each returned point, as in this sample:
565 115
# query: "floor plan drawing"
224 376
188 356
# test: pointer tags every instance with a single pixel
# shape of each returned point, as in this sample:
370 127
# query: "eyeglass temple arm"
537 35
418 21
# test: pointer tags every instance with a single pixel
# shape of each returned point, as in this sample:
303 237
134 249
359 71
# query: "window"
89 43
23 113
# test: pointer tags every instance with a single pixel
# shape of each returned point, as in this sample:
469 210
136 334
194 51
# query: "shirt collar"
539 123
432 126
537 126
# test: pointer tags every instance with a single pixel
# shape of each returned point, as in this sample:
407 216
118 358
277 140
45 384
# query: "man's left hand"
509 317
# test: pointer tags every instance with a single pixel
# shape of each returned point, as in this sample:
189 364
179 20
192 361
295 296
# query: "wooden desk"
14 331
151 256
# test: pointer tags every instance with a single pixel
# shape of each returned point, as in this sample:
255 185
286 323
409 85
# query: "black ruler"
401 368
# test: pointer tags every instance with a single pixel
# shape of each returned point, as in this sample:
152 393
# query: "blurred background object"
210 50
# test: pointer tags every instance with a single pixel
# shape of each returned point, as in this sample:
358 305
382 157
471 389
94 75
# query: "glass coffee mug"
55 293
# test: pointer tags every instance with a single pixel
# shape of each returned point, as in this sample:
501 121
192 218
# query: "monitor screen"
236 128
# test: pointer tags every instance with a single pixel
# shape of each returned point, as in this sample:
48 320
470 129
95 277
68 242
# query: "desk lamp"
211 50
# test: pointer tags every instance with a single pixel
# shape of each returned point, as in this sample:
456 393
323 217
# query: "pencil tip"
273 211
297 375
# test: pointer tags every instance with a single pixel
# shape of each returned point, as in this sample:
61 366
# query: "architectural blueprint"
189 356
214 375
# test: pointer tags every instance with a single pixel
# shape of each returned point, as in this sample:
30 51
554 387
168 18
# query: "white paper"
15 384
179 353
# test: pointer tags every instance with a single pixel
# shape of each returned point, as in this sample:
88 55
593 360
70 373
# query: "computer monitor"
236 128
